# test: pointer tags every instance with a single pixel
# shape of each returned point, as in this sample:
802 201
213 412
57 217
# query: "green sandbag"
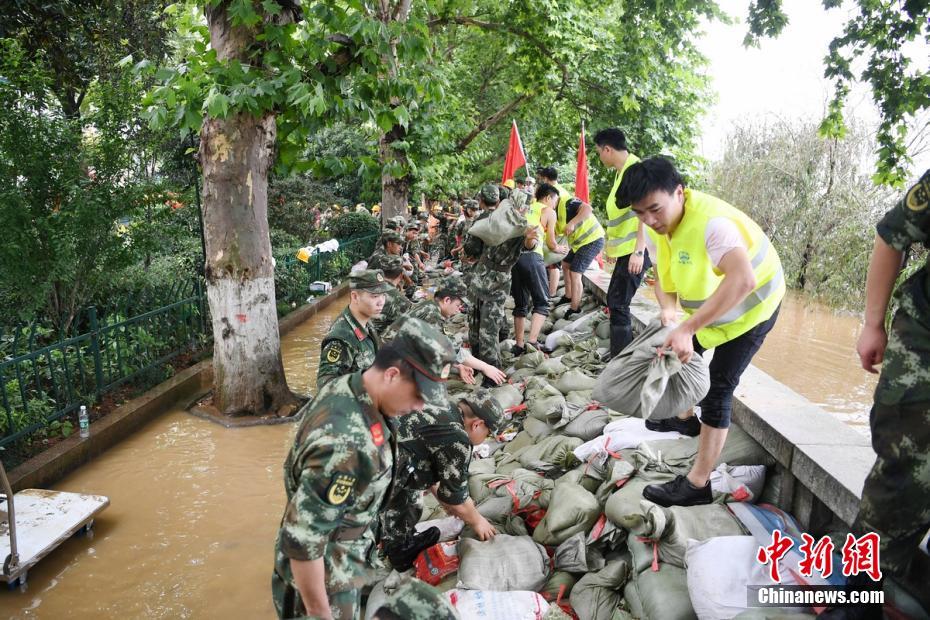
597 595
631 596
522 440
545 403
522 374
581 398
507 396
674 526
481 466
552 367
665 455
537 429
555 450
580 475
588 424
602 331
530 360
572 509
558 579
478 485
664 594
507 468
625 500
575 380
560 324
618 471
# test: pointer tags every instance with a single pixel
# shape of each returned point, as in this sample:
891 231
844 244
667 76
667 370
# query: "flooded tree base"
204 408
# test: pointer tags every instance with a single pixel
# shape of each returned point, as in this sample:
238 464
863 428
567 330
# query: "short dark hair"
390 274
444 292
549 172
645 177
545 190
384 613
612 137
392 355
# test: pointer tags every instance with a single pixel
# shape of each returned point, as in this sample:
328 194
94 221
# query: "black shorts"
580 261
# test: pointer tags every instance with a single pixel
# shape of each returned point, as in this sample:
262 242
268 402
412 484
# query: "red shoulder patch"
377 433
359 334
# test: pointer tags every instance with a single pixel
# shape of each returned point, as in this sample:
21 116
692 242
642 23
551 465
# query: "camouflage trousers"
896 497
484 329
400 515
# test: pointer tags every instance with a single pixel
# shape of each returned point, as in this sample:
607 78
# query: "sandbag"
588 424
597 595
555 450
545 403
520 441
491 605
618 473
619 434
574 556
537 429
521 374
639 383
664 594
552 367
503 563
504 223
507 395
557 581
580 398
551 257
673 527
738 483
572 509
530 359
626 500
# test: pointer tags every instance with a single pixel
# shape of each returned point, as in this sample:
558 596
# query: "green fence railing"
46 375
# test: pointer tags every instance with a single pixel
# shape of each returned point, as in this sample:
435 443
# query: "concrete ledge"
823 454
184 388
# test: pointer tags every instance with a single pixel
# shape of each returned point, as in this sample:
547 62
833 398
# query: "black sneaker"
403 556
517 350
690 426
562 300
678 492
570 314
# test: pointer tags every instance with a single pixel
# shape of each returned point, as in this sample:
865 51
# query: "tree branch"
490 121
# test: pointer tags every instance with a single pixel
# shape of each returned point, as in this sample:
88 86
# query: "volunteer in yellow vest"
552 271
626 241
719 265
529 273
585 235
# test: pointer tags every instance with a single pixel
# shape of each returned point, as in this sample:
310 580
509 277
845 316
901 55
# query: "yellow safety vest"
588 231
533 218
684 267
622 224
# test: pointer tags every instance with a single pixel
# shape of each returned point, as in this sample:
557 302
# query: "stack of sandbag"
640 383
503 563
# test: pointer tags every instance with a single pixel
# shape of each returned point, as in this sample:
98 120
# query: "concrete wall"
826 462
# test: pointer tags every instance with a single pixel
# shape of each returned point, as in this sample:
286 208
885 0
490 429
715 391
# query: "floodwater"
194 510
812 350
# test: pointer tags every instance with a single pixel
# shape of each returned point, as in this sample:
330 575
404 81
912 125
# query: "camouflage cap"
417 600
391 262
490 194
422 215
391 236
504 192
429 352
413 226
487 408
471 204
369 280
454 286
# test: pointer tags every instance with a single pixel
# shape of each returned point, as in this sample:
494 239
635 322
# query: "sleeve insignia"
340 487
334 352
919 196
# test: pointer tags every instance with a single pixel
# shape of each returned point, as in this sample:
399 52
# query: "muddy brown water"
194 508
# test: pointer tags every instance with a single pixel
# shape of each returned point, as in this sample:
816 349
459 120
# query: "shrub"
353 224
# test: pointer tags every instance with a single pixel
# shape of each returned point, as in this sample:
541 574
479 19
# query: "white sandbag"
740 483
638 382
720 570
449 527
504 223
491 605
620 434
551 257
503 563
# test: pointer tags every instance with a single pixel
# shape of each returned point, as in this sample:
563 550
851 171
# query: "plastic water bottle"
84 422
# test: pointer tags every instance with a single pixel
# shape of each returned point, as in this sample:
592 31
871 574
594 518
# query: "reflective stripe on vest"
684 267
586 232
622 224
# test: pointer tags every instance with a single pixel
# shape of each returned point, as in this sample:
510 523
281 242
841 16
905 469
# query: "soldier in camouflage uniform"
337 474
352 343
412 250
489 280
435 447
391 243
469 212
896 497
415 600
396 303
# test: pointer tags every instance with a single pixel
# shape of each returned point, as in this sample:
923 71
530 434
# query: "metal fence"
46 375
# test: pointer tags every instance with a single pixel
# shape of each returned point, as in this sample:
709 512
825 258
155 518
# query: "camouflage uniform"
428 310
896 497
433 447
337 475
489 280
396 305
348 346
416 600
412 250
342 450
376 260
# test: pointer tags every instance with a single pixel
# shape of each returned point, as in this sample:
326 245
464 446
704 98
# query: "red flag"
581 171
516 157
